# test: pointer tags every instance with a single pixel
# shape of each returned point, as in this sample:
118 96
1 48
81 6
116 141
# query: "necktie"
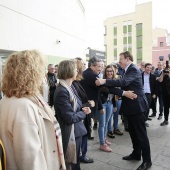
123 73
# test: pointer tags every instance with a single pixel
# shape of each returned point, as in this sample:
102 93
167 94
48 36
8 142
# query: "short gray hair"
93 61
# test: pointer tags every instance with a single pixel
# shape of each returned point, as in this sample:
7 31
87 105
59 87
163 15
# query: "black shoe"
95 126
164 123
90 138
126 129
132 157
145 166
152 115
159 117
149 118
110 135
87 160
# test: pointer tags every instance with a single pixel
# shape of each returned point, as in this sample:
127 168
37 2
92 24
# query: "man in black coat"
88 84
149 84
134 109
159 95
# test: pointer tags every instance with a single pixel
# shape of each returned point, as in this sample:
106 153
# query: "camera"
166 69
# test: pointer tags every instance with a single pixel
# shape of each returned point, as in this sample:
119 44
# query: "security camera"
58 41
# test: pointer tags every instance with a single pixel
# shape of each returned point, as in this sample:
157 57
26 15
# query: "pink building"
161 51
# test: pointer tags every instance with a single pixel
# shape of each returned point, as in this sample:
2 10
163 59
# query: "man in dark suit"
134 109
159 95
88 83
149 84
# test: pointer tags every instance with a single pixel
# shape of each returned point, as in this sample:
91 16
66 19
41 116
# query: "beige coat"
28 137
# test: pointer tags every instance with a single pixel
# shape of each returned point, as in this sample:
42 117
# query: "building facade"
132 32
56 28
160 46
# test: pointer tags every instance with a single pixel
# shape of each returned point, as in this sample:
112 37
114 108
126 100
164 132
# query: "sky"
96 11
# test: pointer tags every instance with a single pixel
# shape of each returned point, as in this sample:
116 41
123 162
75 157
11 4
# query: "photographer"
165 83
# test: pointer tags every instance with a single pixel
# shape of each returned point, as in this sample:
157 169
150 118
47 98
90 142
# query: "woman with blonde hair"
85 103
28 129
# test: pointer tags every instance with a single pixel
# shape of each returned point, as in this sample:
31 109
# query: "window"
161 44
106 50
115 54
139 41
139 29
139 55
138 25
115 42
115 30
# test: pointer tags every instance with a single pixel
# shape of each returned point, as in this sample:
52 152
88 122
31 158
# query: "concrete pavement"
159 137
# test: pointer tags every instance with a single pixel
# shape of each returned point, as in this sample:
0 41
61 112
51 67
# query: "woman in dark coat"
70 113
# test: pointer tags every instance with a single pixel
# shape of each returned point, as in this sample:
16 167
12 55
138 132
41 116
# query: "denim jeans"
103 121
115 117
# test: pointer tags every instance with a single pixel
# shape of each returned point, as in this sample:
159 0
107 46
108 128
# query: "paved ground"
160 150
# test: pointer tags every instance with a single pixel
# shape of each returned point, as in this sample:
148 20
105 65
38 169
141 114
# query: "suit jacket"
91 89
132 80
152 82
66 115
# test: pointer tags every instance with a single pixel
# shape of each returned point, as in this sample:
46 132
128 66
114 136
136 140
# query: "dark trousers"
138 134
153 105
51 98
84 147
160 97
149 98
87 124
166 101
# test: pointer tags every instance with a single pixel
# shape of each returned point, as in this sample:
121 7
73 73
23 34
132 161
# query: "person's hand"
116 98
86 110
130 94
100 81
115 109
102 111
153 96
91 102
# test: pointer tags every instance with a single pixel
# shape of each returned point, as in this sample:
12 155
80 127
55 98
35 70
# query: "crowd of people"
46 119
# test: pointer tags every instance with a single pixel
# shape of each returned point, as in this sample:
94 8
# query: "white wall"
37 24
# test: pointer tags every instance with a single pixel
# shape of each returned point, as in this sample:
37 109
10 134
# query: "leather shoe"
149 118
145 166
90 138
152 115
132 157
86 160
